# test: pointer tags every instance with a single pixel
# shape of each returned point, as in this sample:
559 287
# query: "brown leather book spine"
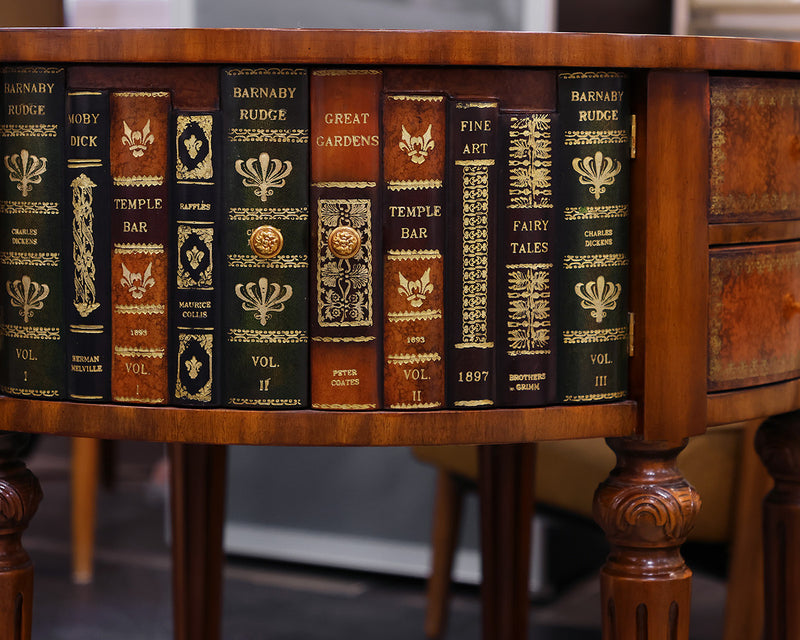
139 237
413 239
346 313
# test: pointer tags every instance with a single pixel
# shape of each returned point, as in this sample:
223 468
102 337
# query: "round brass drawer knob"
344 242
266 241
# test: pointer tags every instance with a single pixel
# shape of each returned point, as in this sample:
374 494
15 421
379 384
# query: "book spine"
470 266
140 232
31 249
87 276
527 322
594 176
413 249
346 314
195 346
265 292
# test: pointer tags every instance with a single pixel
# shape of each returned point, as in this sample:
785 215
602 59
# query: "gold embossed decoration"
598 296
529 309
193 149
475 274
25 169
530 161
266 241
270 174
83 245
597 171
417 147
344 285
267 300
28 296
344 242
138 142
137 284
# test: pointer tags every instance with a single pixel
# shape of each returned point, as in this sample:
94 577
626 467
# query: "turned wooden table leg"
20 495
506 499
646 508
778 444
198 510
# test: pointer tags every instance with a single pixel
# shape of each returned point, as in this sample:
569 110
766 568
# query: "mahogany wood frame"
669 296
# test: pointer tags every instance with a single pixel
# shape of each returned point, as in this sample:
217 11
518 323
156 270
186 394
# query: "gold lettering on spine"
83 245
475 247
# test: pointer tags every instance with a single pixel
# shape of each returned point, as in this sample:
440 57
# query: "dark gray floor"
130 596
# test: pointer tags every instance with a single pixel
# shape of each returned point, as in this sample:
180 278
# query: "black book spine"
526 314
87 250
470 248
196 342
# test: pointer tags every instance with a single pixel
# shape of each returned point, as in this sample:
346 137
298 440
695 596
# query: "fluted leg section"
506 495
647 508
20 495
778 444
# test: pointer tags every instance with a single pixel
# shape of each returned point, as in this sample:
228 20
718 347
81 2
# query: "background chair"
722 465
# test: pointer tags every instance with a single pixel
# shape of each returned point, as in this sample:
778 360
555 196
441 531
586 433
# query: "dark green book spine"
195 348
526 256
593 279
31 255
265 113
87 248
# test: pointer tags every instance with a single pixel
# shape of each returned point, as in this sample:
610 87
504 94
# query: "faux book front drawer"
754 315
755 149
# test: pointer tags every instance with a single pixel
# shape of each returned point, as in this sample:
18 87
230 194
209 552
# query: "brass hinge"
633 136
630 334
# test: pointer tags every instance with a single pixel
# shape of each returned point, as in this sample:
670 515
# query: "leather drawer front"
754 334
755 149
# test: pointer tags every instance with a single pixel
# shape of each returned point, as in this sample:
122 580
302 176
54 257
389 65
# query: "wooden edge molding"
750 232
727 407
331 46
317 428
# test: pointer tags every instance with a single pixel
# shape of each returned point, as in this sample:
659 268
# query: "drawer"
753 327
755 149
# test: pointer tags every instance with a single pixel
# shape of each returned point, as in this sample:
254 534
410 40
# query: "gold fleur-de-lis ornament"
137 141
417 147
597 171
598 296
270 174
26 295
25 169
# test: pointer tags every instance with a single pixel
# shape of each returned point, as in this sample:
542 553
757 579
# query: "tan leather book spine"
413 249
139 239
346 316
